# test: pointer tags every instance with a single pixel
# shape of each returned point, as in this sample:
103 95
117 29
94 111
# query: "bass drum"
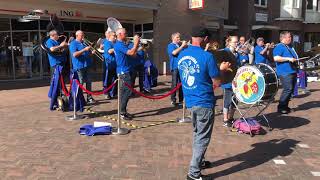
254 83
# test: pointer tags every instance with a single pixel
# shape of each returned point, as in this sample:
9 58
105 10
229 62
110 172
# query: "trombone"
86 42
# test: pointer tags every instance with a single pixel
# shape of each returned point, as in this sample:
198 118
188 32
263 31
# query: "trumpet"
142 41
86 42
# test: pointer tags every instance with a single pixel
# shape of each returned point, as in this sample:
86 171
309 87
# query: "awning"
147 5
265 27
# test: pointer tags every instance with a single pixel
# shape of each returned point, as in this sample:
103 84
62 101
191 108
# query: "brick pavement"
39 144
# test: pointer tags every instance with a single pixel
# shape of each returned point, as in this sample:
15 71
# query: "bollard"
75 116
119 130
184 119
164 68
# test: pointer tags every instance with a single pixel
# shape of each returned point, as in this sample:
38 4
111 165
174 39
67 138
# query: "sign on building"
262 17
196 4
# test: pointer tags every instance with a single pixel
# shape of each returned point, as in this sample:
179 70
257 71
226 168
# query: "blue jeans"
227 100
125 92
175 81
202 121
288 82
84 77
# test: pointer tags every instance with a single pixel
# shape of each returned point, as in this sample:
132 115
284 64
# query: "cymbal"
315 49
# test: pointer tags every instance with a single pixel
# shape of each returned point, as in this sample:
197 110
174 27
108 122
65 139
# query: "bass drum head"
249 84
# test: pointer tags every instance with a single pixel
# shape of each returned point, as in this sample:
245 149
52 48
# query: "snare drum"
254 83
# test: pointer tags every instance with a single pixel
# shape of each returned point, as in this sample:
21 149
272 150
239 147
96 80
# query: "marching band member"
110 63
285 56
198 72
228 106
261 51
243 51
53 44
122 53
173 51
81 61
56 66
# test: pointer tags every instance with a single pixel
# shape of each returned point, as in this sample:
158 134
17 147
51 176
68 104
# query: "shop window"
71 26
129 28
295 3
148 35
137 28
262 3
16 25
4 24
93 27
148 27
44 24
309 4
6 64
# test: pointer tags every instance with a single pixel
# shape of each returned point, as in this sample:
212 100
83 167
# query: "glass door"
6 65
22 55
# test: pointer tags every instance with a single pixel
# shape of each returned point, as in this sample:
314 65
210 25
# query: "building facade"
267 18
21 55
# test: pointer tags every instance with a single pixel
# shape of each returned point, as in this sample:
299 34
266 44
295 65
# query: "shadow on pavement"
307 106
156 111
281 122
261 153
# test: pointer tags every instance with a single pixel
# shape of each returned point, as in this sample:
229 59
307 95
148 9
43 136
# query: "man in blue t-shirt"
198 72
54 46
122 54
261 51
110 63
81 61
173 51
285 57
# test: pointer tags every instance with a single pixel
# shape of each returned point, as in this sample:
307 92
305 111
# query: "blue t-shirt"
120 51
258 58
82 61
173 59
110 59
284 68
55 60
197 68
229 85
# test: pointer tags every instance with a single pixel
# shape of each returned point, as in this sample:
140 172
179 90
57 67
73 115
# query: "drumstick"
299 59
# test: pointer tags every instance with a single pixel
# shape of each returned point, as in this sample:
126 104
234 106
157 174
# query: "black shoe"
227 123
107 96
129 115
288 109
126 116
173 103
91 100
283 111
205 165
190 177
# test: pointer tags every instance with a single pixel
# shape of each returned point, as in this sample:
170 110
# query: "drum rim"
264 90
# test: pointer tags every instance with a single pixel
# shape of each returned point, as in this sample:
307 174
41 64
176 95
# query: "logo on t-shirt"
188 66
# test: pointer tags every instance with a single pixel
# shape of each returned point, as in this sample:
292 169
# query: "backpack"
241 125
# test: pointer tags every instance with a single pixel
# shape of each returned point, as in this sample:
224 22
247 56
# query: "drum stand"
259 105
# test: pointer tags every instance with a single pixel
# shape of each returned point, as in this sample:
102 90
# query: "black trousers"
175 81
125 92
